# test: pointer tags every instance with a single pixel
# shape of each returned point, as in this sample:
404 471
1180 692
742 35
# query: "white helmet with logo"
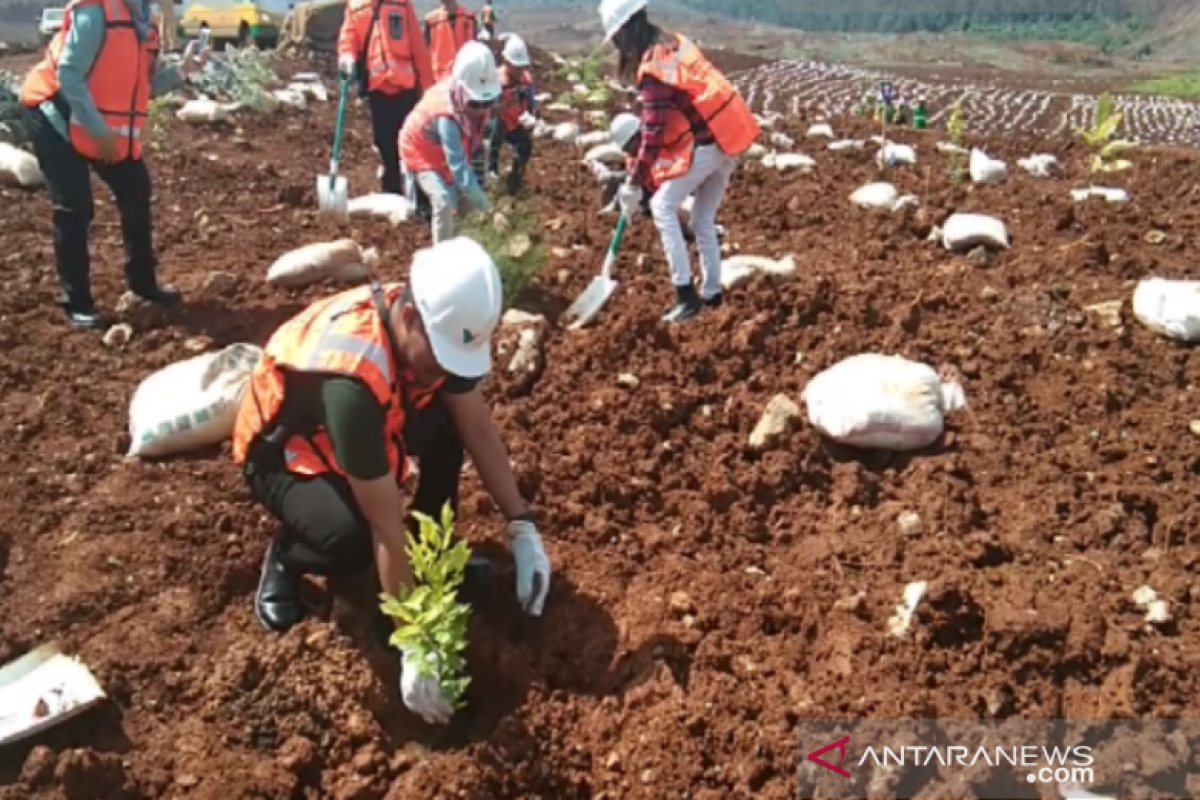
475 71
515 52
623 128
457 291
615 13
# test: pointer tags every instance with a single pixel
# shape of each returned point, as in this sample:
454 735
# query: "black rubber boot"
87 320
687 304
516 177
277 602
161 296
715 301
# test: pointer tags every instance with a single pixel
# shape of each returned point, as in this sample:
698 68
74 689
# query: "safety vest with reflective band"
420 144
344 335
394 55
714 98
447 35
515 86
119 82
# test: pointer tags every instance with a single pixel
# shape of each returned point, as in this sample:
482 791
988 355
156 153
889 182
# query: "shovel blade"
333 199
588 305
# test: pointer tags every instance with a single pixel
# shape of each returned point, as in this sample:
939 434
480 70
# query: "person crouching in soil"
347 389
85 107
445 131
517 110
694 125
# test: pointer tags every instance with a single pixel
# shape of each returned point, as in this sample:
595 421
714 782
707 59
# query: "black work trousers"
388 113
68 178
522 144
323 530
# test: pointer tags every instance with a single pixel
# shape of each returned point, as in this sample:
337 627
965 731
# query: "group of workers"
357 384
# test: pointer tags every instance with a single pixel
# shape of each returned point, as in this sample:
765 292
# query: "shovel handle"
610 259
343 96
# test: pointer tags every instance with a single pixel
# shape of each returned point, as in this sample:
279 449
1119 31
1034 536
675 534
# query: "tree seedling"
956 126
1101 140
434 632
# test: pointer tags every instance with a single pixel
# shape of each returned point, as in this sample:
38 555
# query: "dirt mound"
704 592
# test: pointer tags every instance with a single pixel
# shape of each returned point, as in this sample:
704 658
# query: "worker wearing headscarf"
694 125
446 132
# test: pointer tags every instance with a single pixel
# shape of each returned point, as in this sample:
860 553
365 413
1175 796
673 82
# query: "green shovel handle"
344 95
610 259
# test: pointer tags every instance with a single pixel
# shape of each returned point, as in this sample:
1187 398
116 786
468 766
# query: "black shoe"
162 296
277 602
87 321
715 301
687 304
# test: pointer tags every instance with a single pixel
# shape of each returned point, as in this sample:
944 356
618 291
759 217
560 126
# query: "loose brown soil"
692 620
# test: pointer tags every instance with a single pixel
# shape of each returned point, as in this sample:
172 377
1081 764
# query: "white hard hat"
623 128
475 70
515 52
456 289
615 13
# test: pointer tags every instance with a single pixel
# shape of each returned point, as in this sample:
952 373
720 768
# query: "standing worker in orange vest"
444 133
379 47
85 107
345 392
694 125
447 29
487 16
517 110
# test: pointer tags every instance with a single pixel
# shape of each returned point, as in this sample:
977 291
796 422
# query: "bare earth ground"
695 611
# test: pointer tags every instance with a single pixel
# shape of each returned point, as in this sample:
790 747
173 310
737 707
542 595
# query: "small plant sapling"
434 630
156 121
956 126
1101 140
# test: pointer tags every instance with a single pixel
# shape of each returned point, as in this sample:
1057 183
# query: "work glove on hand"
346 67
629 198
421 693
533 568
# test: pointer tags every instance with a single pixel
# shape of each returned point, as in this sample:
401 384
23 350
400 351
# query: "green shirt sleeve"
357 425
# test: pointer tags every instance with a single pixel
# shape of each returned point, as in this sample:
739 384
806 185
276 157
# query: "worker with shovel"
516 116
378 51
85 105
694 125
345 391
443 134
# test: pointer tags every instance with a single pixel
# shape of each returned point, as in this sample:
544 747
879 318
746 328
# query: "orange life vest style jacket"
447 35
515 85
397 58
341 335
119 83
421 145
715 100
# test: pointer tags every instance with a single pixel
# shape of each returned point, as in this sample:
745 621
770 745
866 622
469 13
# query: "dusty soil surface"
703 592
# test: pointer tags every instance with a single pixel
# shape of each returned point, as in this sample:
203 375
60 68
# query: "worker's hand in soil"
533 568
193 60
346 67
629 198
421 693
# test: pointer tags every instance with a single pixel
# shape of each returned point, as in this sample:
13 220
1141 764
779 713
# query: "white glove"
346 66
528 120
421 693
533 568
629 198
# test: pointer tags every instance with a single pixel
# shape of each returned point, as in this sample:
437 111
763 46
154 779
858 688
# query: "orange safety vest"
396 56
447 36
341 335
421 146
514 95
119 82
715 99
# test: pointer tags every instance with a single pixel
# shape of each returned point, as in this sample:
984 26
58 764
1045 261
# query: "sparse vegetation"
1185 86
157 114
513 246
956 127
1101 138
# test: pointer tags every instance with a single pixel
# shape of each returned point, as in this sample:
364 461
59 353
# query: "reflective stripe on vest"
389 61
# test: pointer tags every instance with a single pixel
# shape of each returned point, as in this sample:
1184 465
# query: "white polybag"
291 98
895 155
882 402
190 404
820 129
782 140
392 207
987 170
847 144
875 195
565 133
785 161
1042 165
1111 195
965 231
203 110
755 152
18 168
1169 308
340 260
